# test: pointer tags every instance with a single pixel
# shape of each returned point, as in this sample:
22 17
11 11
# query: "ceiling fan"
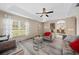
45 13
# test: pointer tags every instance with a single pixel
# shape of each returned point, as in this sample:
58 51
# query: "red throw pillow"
75 45
47 33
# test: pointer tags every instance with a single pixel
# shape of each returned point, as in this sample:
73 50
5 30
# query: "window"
27 28
15 27
20 28
7 21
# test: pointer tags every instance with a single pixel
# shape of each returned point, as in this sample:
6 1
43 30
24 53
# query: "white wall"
69 25
75 12
77 25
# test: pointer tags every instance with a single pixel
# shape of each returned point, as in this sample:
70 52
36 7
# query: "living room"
39 28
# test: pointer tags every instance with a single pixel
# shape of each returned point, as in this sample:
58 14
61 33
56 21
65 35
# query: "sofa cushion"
4 38
70 38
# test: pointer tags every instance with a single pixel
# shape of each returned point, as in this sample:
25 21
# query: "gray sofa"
10 47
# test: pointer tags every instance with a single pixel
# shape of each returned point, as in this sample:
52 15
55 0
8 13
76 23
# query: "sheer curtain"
27 28
7 25
22 29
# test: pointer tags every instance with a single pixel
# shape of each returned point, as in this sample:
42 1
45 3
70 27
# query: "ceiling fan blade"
41 15
44 9
77 5
47 15
50 12
38 13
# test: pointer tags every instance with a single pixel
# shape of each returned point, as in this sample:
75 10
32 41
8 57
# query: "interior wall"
1 22
75 11
35 27
47 27
70 25
77 25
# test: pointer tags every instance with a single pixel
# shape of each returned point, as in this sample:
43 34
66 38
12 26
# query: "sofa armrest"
7 45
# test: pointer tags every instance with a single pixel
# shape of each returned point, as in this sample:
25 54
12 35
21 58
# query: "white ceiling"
29 10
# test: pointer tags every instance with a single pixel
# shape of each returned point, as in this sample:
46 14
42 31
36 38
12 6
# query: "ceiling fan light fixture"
45 13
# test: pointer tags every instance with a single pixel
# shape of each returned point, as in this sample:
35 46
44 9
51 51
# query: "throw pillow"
75 45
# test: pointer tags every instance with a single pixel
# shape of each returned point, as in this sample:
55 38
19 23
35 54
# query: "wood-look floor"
46 48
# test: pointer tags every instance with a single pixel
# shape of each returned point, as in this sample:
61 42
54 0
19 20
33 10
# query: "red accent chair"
48 36
75 45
